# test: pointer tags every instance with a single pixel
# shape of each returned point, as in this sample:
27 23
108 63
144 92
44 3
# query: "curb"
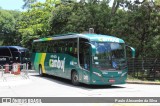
143 82
30 71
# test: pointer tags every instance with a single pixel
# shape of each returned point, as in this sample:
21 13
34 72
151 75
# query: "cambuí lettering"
57 63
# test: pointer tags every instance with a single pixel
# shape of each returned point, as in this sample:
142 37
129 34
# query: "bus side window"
75 49
65 50
55 46
44 44
36 47
70 50
58 50
5 52
39 47
62 46
67 46
48 47
53 49
59 47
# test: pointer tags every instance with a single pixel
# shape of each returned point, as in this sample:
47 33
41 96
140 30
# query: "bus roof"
16 47
91 37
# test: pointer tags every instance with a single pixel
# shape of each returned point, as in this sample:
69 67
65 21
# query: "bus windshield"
109 56
16 56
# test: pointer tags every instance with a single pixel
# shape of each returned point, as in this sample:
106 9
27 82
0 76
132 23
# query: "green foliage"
79 17
34 23
7 21
143 26
28 3
8 27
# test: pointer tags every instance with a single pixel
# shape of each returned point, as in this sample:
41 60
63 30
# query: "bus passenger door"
84 59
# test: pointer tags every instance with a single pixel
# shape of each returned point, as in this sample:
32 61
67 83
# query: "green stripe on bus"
37 60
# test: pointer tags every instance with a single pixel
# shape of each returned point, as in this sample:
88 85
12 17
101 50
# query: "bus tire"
110 85
75 78
40 71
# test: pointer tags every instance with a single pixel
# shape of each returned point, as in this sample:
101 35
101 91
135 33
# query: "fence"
144 68
16 69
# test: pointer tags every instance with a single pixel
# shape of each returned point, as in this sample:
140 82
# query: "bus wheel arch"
74 77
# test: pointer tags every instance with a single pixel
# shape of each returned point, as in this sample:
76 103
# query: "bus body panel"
56 64
108 77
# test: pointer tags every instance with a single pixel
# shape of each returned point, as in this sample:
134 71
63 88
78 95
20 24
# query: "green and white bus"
83 58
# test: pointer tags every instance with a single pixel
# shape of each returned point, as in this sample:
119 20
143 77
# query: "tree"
8 20
79 17
34 23
28 3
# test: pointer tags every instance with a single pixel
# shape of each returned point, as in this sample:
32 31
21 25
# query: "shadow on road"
82 86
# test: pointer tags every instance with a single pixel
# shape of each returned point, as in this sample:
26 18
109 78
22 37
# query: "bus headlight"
98 74
123 74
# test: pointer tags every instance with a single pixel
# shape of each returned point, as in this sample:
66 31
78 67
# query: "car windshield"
109 56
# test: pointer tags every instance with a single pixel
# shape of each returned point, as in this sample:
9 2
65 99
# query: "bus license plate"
111 80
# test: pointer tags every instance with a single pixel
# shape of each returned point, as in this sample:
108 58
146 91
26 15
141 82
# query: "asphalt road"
51 86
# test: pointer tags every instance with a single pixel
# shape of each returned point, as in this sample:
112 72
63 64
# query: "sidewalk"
8 79
142 82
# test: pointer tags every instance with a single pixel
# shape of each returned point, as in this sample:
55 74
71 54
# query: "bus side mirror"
133 51
92 48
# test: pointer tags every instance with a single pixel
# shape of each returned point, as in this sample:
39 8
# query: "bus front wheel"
75 78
